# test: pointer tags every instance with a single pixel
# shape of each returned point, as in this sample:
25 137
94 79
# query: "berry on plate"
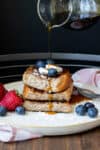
80 110
20 110
2 91
88 109
11 100
3 111
92 112
88 105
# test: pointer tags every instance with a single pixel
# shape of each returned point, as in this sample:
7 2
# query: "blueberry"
52 72
92 112
3 111
88 105
50 61
20 110
40 63
80 110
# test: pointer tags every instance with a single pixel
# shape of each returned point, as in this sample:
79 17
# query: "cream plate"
46 124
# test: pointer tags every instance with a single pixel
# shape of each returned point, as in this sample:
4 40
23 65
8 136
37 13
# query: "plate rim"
91 120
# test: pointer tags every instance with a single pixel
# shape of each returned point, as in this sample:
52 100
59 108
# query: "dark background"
22 31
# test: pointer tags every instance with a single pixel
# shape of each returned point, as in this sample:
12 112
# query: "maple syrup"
49 30
77 99
49 88
51 113
58 18
50 107
50 97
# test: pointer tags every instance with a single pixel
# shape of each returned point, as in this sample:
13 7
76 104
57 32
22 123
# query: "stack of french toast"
47 88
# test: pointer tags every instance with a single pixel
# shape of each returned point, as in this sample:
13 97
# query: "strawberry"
2 91
11 100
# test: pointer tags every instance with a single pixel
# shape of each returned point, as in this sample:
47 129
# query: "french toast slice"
63 107
33 78
34 94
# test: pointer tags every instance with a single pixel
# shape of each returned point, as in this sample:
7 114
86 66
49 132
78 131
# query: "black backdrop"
22 31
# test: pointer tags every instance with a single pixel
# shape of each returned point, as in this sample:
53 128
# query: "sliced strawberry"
11 100
2 91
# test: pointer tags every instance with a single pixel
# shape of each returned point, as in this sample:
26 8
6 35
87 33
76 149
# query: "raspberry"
11 100
2 91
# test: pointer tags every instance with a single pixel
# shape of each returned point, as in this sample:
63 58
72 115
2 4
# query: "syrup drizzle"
74 100
77 99
50 106
49 29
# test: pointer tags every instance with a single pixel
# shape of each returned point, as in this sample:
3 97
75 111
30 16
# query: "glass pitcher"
54 13
74 14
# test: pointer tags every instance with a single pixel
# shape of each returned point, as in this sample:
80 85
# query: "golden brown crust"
37 81
64 81
48 106
34 94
